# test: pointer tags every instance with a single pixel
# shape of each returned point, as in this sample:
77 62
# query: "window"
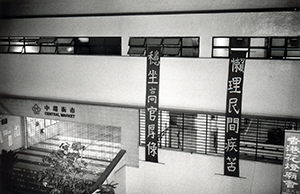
61 45
170 46
261 138
258 47
285 48
4 44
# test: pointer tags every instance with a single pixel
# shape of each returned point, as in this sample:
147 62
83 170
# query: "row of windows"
170 46
61 45
256 47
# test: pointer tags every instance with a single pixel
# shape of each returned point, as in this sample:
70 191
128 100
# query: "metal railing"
261 139
108 170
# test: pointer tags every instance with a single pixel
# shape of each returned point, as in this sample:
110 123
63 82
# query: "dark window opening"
171 46
61 45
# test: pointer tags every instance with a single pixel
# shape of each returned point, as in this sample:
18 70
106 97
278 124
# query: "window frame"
270 51
167 44
62 45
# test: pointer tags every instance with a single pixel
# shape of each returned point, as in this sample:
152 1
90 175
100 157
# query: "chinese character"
290 175
154 58
63 109
151 132
72 110
232 105
233 124
290 184
152 98
231 163
152 149
234 85
238 65
231 145
293 140
290 157
152 110
292 167
152 76
292 148
55 108
152 90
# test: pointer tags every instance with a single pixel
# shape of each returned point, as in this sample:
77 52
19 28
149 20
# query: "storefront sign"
233 113
54 110
290 183
152 94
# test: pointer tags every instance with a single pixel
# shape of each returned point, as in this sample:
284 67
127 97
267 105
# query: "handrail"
108 170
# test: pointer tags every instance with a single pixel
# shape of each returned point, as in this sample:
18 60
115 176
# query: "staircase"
98 155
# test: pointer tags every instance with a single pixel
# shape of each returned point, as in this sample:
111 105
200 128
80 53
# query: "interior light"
70 49
83 40
221 41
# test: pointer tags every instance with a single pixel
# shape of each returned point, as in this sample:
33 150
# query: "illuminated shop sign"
233 113
152 93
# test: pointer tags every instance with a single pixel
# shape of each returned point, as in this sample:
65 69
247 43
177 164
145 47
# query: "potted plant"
108 188
64 170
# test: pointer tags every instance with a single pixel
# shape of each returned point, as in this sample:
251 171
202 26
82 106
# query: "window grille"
61 45
102 142
170 46
261 139
258 47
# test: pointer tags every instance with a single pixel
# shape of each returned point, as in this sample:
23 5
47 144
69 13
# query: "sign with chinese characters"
291 163
233 113
152 94
54 110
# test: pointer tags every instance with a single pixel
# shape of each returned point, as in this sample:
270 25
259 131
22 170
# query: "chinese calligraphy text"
291 163
152 94
233 113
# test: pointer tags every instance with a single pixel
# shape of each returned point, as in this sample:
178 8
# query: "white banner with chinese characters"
152 94
233 113
290 183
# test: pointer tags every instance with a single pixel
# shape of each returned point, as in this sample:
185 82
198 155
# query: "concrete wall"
270 87
179 172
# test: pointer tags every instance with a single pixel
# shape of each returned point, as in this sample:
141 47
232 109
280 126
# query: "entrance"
100 142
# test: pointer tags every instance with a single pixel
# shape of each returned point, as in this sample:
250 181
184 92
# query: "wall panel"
270 87
180 172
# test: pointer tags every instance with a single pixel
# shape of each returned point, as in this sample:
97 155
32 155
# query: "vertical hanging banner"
152 94
290 182
233 112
